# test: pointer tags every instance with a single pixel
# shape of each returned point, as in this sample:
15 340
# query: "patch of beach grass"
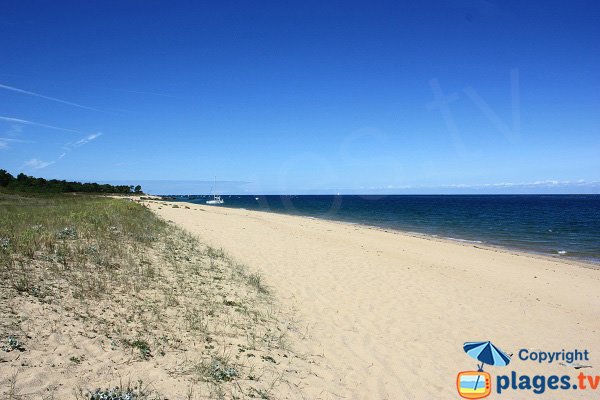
256 281
149 289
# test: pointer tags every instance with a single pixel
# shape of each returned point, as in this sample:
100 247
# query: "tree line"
25 183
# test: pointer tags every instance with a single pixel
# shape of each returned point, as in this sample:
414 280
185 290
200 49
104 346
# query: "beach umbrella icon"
486 353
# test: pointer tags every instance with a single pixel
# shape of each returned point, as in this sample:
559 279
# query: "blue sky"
304 97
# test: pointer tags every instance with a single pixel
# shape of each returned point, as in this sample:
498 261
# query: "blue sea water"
561 225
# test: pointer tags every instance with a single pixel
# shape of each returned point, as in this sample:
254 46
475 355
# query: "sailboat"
216 198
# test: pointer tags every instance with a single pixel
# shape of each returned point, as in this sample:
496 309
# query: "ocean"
566 226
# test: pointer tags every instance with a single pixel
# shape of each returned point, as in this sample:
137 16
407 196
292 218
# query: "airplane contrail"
25 122
5 139
14 89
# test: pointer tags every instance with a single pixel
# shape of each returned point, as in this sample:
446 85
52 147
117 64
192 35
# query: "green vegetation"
142 346
25 183
72 230
255 280
111 269
137 391
12 344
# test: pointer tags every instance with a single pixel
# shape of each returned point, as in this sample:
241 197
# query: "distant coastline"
565 227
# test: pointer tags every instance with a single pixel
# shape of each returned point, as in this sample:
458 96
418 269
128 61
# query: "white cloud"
545 183
73 145
549 183
87 139
34 163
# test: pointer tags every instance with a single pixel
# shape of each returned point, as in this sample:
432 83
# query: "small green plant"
231 303
13 343
22 284
142 346
220 371
135 392
68 233
76 360
255 280
4 244
213 253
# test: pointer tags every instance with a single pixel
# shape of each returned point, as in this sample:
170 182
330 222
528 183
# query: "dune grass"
148 288
104 227
78 233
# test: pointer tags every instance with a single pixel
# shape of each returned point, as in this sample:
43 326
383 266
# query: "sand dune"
389 312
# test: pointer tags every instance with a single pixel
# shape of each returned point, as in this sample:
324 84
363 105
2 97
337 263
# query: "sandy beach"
387 313
299 200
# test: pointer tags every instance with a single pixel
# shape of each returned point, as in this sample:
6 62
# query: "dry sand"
168 311
389 312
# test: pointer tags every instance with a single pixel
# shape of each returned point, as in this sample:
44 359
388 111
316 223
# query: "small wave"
465 240
561 252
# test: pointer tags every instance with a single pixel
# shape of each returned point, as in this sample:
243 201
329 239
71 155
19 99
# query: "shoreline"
387 312
575 261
